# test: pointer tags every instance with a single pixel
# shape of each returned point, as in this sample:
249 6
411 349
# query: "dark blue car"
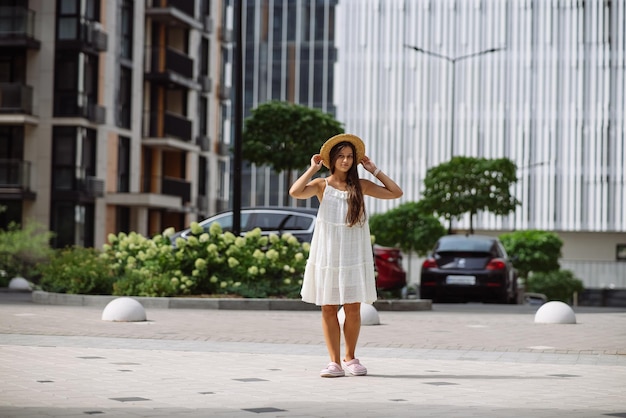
465 268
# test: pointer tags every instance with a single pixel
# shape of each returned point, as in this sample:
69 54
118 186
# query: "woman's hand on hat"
368 164
316 162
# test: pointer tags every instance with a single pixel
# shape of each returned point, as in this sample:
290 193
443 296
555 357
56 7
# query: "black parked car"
468 268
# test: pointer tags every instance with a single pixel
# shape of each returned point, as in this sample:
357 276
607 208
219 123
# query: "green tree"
533 251
284 135
469 185
407 228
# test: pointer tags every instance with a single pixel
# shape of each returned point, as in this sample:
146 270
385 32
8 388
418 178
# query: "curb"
48 298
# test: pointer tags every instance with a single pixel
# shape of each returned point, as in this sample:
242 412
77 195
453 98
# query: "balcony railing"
86 32
176 187
167 124
16 23
170 186
92 186
185 6
204 142
168 60
206 83
73 104
75 180
16 98
15 174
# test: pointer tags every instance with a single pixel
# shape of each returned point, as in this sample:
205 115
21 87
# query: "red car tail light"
429 263
496 264
389 255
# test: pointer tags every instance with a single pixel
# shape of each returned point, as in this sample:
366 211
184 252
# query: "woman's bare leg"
351 328
332 332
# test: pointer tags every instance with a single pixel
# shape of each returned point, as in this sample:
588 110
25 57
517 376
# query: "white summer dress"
340 268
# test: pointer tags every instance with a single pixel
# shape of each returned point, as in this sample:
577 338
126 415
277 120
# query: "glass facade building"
542 82
539 82
289 55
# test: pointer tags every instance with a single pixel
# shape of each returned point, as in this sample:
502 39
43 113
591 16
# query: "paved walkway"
453 361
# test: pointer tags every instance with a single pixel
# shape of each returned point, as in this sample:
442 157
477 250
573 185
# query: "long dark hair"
356 204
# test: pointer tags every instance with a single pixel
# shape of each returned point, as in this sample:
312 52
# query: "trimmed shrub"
556 285
77 270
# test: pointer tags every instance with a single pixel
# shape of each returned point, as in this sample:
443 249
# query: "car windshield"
463 244
226 222
297 223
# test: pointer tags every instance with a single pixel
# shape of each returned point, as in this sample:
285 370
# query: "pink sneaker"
355 367
332 370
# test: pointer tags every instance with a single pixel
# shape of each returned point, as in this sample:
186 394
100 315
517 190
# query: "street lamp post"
453 61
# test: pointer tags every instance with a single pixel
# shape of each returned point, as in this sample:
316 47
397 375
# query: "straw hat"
359 146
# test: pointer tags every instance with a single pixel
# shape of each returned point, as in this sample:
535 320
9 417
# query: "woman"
340 268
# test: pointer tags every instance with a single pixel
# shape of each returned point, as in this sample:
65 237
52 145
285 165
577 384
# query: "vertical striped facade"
541 82
289 55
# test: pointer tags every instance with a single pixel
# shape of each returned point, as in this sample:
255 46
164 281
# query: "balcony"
15 178
167 124
173 13
206 83
75 33
225 92
208 24
169 186
73 183
204 143
73 104
176 187
16 98
92 186
167 65
17 28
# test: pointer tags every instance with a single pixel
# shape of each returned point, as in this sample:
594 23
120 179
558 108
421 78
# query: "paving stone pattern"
452 361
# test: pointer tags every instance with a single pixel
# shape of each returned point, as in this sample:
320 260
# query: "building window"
73 158
12 66
75 18
205 7
203 104
124 98
123 165
122 219
76 89
202 176
126 28
204 56
72 224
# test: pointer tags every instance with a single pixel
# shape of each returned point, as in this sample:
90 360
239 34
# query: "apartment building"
109 115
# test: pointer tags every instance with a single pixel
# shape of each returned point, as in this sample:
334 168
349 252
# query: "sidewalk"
456 360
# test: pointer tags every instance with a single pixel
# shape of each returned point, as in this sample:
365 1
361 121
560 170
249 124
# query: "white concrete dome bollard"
19 283
124 310
369 315
555 312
